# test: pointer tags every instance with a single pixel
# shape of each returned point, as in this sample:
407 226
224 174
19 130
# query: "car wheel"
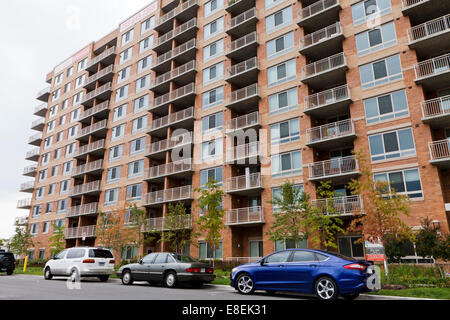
9 272
48 274
127 279
245 284
350 296
326 289
103 278
170 280
74 276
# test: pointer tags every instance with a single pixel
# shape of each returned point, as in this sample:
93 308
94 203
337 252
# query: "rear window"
182 258
100 253
338 255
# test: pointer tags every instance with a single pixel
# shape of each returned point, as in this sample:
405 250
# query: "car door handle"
313 265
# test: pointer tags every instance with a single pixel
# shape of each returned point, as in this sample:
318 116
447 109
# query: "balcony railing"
80 232
170 143
101 56
321 35
41 110
243 122
30 170
38 124
333 167
178 30
173 95
242 42
93 94
436 107
33 154
243 93
245 216
244 151
327 97
169 223
168 76
97 145
27 186
340 206
410 3
169 195
93 128
85 188
244 182
175 52
432 67
21 221
316 8
43 94
173 13
94 110
168 169
98 75
247 15
242 67
330 131
324 65
440 150
24 204
171 119
88 167
85 209
35 139
429 29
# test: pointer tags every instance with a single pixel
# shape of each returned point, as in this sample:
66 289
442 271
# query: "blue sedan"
325 274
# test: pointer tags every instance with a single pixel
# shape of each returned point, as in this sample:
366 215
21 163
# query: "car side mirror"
141 261
262 262
53 258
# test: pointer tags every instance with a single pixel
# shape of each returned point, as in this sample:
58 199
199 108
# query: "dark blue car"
325 274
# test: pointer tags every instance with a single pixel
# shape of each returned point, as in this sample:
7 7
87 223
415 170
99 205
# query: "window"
370 9
123 75
290 244
279 20
62 206
271 3
122 93
58 79
54 171
70 149
77 98
60 223
205 251
386 107
212 123
278 257
141 103
120 112
69 72
46 158
72 132
113 174
392 144
41 254
80 81
56 94
126 55
284 132
213 6
40 193
53 111
67 168
82 65
213 28
211 174
213 74
303 256
42 175
147 24
75 253
146 44
280 46
281 73
213 50
115 153
137 146
135 168
212 98
48 142
276 193
139 124
75 115
143 83
350 247
37 210
62 120
34 231
212 149
127 37
129 253
67 87
381 72
51 189
118 132
134 192
376 39
49 207
111 196
405 182
64 187
144 64
51 126
59 136
287 164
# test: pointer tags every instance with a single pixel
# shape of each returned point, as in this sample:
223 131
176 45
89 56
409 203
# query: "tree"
211 222
427 240
177 235
383 207
443 249
138 224
21 241
57 240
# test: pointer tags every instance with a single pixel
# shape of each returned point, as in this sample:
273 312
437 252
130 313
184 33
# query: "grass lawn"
30 271
432 293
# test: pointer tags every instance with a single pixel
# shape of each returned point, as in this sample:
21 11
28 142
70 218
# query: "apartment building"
251 93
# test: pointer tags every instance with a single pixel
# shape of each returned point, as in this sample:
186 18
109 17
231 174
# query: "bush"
222 265
127 261
415 276
38 263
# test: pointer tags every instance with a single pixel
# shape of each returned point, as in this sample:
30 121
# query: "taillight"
193 270
210 270
89 261
112 261
355 266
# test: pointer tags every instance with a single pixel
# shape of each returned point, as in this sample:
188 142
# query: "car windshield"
183 258
338 255
100 253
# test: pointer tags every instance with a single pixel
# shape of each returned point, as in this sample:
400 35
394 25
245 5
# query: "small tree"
427 240
443 249
177 234
211 222
57 240
21 241
138 224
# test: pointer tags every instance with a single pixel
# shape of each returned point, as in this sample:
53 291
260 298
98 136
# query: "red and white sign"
80 55
374 249
139 16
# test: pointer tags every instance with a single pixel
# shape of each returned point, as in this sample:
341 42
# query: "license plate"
101 263
203 270
3 269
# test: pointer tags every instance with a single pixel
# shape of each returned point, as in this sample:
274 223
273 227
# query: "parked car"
325 274
168 268
81 262
7 262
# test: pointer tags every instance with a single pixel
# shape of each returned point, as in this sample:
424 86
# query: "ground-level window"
205 251
30 255
348 246
129 253
41 254
256 249
290 244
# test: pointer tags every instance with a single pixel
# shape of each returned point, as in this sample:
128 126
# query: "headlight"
234 270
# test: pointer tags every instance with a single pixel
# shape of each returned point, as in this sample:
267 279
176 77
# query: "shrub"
415 276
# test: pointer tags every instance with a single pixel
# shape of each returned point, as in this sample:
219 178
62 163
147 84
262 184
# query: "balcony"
41 110
245 99
35 140
30 171
434 73
440 153
27 187
243 23
83 210
165 223
103 76
424 10
100 111
177 169
80 232
96 148
38 124
157 150
339 170
242 48
98 129
101 93
436 112
21 221
245 216
167 5
246 185
245 122
180 34
325 72
235 7
244 154
243 73
107 57
43 95
319 13
158 198
182 75
328 103
335 135
33 155
431 36
341 206
91 188
184 96
182 54
24 204
184 12
328 39
92 168
181 119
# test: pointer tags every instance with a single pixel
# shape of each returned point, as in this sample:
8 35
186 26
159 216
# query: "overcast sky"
36 36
